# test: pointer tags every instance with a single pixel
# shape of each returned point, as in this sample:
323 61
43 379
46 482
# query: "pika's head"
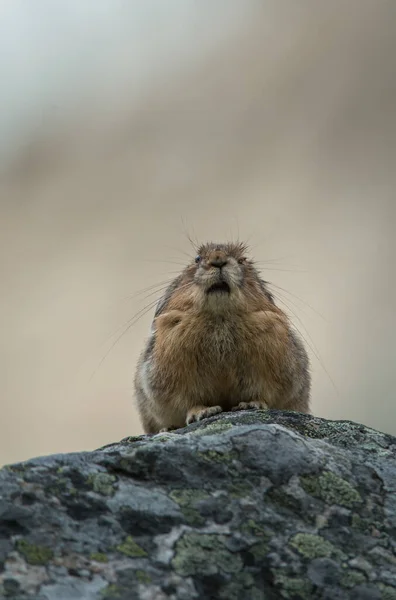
220 269
222 277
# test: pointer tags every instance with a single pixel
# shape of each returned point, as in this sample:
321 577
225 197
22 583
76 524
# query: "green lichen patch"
192 517
352 578
204 554
212 428
131 548
111 591
312 546
374 447
225 457
360 524
298 423
18 469
99 557
187 496
143 577
293 587
33 554
240 490
259 551
366 525
255 529
332 489
322 429
164 437
254 417
61 486
387 592
126 465
102 483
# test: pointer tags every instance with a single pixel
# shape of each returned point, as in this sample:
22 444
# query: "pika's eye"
197 259
241 260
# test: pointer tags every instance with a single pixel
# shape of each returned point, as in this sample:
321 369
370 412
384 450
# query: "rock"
250 505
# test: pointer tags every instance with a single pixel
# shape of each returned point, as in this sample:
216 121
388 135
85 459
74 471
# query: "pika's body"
219 342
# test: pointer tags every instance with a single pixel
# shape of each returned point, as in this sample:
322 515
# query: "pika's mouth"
220 287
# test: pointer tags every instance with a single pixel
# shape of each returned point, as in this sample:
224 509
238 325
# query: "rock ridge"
247 505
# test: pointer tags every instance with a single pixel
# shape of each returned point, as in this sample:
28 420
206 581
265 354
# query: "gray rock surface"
250 505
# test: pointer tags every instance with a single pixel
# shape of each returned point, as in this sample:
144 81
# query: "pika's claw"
250 406
202 412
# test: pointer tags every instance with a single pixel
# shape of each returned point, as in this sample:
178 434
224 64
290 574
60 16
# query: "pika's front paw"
202 412
251 406
166 429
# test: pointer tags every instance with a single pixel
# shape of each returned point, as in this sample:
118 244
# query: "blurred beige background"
274 121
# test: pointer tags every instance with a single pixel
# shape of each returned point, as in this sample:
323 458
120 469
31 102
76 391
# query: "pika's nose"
218 259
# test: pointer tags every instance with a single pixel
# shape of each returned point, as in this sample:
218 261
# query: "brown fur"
219 350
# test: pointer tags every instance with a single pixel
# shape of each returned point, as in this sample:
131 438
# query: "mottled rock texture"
250 505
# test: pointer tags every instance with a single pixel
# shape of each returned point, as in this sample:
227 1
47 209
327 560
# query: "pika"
219 343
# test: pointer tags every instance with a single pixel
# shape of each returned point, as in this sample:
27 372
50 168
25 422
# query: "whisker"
248 242
147 289
285 303
275 261
194 243
189 256
157 290
164 288
151 304
230 234
286 270
298 298
280 296
115 302
157 286
311 345
140 313
129 324
169 262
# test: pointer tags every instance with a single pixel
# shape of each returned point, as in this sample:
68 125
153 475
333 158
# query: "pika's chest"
210 357
202 345
216 342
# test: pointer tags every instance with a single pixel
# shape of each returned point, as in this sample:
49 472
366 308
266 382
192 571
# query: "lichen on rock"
256 504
